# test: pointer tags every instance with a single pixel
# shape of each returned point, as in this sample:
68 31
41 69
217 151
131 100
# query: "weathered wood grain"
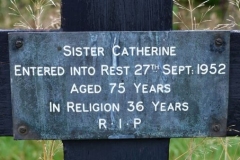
234 86
5 92
142 149
116 15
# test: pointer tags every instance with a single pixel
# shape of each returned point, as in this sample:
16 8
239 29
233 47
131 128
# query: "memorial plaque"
114 85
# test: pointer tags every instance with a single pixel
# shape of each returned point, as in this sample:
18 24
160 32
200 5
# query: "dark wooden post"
113 15
5 91
234 86
116 15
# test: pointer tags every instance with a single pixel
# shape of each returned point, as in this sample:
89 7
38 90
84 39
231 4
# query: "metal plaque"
115 85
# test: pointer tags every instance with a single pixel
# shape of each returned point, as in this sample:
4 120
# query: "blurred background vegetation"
27 11
224 15
206 14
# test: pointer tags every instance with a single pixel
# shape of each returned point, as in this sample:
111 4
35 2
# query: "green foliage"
205 148
29 150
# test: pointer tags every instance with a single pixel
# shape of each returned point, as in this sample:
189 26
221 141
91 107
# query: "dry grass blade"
36 11
203 16
16 12
180 6
179 17
195 23
231 21
49 149
235 3
200 5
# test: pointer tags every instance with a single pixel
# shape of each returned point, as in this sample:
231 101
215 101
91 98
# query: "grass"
30 150
36 13
194 16
232 22
205 148
191 9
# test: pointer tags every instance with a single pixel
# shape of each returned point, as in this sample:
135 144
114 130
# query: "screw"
22 130
218 42
19 43
216 128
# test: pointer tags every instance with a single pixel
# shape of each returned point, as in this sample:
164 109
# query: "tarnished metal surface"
143 94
